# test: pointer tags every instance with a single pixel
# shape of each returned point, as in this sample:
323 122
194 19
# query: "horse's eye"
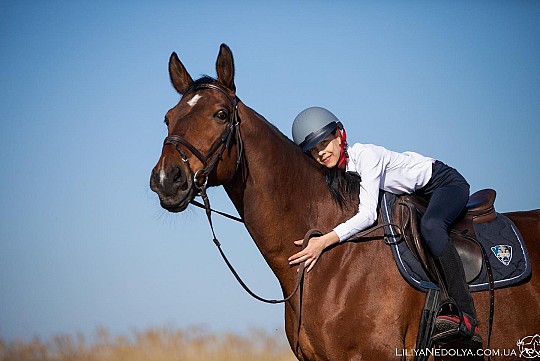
222 114
166 121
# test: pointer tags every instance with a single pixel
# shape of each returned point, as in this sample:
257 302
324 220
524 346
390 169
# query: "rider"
321 135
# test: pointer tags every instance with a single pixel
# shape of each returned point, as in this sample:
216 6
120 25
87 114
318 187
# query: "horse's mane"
343 186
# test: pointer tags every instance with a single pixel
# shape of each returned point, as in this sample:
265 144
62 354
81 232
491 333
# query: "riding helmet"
312 125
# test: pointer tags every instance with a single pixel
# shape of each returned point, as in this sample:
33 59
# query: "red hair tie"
343 155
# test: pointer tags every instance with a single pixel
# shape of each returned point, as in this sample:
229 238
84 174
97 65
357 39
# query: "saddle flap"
410 222
471 257
411 208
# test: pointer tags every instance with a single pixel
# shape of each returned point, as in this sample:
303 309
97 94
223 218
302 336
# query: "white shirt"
384 169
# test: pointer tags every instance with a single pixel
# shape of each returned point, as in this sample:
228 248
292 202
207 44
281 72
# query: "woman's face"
327 151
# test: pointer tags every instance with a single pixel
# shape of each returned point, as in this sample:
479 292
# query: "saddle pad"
500 238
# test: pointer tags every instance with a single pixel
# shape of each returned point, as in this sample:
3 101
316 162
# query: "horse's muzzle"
173 188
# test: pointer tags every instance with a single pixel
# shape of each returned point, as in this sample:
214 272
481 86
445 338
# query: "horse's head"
203 146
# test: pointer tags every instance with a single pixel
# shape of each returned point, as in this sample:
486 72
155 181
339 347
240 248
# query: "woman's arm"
370 166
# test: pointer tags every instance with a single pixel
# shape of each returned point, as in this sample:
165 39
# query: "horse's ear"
180 78
225 67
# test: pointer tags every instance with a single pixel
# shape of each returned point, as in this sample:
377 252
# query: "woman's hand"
313 250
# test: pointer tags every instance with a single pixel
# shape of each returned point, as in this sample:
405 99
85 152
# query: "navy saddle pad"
500 238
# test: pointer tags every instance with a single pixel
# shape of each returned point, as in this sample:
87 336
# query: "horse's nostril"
154 179
178 175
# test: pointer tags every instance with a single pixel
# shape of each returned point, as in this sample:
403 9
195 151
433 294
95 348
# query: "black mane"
343 186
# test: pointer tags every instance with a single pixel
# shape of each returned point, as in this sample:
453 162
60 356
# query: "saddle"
479 209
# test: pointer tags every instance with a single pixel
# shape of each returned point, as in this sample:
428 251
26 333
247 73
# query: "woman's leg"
448 194
445 205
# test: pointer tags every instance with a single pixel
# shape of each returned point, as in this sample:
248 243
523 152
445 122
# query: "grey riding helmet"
312 125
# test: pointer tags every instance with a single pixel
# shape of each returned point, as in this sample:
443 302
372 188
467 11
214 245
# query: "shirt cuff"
343 232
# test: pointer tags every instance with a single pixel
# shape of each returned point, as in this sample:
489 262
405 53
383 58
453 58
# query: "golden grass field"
156 344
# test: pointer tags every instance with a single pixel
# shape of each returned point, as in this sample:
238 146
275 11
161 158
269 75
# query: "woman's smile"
327 151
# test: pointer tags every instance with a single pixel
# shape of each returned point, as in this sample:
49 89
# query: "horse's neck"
282 195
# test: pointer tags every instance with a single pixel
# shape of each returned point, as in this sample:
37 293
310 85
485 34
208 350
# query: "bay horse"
355 305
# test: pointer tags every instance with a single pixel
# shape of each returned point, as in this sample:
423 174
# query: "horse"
347 308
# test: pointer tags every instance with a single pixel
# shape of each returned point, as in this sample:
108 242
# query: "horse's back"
528 223
517 308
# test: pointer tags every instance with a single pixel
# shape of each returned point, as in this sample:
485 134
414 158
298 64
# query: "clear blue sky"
84 88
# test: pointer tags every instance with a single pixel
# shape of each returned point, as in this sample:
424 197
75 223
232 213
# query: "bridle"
218 147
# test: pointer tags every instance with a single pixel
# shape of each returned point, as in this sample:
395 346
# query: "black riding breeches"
447 192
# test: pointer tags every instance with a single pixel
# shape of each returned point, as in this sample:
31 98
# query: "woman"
321 135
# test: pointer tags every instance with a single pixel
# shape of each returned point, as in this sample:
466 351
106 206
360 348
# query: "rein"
301 270
300 273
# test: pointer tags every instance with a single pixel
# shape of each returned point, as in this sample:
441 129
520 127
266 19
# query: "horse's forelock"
205 79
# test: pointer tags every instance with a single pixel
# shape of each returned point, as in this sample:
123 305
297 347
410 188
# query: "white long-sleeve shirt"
384 169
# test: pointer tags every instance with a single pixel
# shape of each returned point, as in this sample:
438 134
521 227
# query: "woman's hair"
344 186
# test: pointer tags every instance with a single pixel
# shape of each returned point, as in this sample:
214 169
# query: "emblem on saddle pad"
503 253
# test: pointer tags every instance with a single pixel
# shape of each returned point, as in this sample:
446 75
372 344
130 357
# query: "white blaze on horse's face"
162 174
194 100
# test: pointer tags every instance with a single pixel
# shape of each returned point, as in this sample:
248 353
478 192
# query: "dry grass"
159 344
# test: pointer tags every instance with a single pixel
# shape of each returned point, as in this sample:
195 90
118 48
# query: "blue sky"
84 242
